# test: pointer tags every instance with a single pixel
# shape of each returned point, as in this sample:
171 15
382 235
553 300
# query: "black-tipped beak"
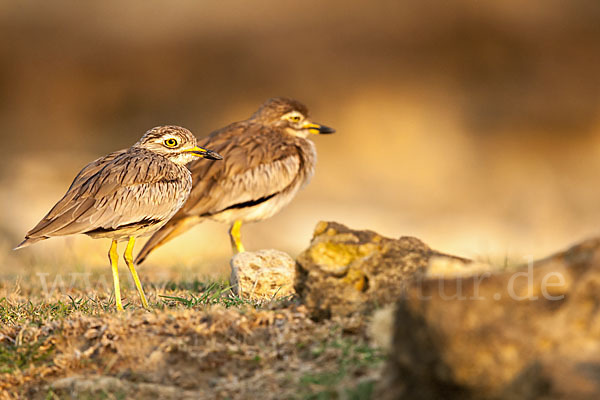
212 155
205 153
325 130
319 129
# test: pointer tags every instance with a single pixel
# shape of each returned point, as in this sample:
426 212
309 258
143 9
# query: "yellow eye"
170 142
294 118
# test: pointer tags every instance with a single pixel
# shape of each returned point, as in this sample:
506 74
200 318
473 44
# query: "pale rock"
381 327
263 274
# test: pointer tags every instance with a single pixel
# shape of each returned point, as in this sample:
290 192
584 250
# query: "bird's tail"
163 235
29 241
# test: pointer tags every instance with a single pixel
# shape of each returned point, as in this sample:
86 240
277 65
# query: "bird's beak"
318 129
204 153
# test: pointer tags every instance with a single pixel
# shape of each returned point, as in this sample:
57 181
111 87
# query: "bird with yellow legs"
268 158
126 194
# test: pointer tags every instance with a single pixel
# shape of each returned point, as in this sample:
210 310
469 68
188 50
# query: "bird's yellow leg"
129 260
236 237
113 256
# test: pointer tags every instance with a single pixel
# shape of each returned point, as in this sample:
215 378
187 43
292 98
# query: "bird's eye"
171 142
294 118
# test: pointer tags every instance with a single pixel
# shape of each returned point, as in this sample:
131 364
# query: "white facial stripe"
292 115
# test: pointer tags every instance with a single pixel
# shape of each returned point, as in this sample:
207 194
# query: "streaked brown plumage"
126 194
267 159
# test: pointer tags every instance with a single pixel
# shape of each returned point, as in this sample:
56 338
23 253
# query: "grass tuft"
16 355
353 358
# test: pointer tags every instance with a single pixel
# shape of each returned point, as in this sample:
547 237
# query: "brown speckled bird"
126 194
267 159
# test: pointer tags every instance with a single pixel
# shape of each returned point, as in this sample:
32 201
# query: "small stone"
263 274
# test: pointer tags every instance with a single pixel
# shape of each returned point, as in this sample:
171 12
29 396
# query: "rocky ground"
529 333
356 316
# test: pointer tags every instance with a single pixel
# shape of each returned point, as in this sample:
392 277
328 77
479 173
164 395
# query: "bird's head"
175 143
289 115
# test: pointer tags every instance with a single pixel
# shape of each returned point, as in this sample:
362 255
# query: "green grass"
215 293
352 356
198 294
17 356
16 313
211 294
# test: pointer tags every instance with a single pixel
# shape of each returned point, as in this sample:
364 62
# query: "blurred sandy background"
472 125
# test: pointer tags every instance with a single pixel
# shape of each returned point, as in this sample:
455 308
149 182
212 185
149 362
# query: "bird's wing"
120 189
82 177
257 163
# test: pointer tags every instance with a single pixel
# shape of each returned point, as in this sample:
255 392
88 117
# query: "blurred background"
474 126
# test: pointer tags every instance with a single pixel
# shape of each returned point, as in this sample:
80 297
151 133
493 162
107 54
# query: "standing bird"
126 194
268 158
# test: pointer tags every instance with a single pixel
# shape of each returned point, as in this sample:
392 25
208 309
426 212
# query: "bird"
126 194
268 158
